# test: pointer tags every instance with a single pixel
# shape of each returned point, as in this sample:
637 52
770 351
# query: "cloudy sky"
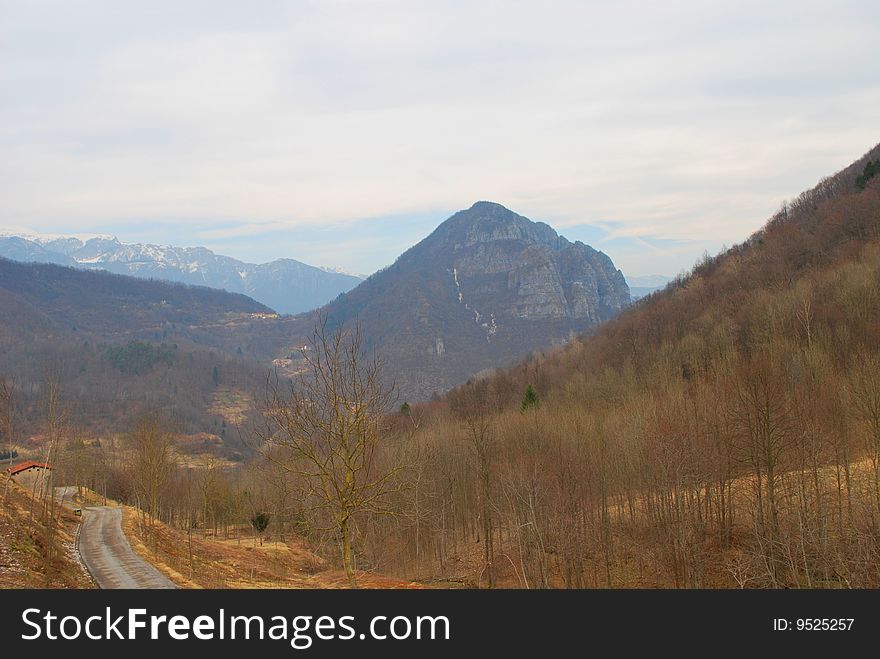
341 133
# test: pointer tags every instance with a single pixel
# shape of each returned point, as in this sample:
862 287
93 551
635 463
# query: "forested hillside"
118 347
70 300
722 432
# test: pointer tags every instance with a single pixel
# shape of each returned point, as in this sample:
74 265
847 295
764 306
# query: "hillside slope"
120 346
100 303
35 553
814 263
722 432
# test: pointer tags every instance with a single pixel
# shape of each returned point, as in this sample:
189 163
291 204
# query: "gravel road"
108 555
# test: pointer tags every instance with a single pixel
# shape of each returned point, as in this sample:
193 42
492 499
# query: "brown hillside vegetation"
31 556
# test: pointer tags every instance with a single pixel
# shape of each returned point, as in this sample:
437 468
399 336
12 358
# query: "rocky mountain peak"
487 221
487 287
505 264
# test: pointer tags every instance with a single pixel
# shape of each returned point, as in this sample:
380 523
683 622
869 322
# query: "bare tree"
56 424
476 406
325 426
764 416
7 421
152 462
864 390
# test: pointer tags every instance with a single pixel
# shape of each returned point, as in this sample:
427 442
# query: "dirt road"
111 560
65 495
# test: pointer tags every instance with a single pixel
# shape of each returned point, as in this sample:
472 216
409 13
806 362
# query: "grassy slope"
23 546
238 562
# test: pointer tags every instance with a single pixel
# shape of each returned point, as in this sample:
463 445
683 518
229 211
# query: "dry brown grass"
201 460
23 545
237 563
232 405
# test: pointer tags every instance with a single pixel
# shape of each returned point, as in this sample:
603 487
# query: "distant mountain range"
285 285
639 287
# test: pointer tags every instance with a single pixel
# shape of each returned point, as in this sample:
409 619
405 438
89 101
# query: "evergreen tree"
530 400
871 170
260 521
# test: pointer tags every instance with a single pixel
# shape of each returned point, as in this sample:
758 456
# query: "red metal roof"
28 464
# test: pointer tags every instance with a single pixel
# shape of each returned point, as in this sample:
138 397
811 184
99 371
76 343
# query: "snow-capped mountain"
342 271
285 285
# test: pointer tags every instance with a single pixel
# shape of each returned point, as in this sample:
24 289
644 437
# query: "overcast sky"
341 133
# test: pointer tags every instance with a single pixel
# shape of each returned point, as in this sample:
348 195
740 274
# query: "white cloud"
672 120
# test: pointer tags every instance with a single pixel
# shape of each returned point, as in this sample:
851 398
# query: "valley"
489 411
487 288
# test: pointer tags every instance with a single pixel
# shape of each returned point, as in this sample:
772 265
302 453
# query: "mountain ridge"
286 285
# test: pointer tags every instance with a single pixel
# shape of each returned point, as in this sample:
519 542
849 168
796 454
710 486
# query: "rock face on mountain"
285 285
486 288
516 269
